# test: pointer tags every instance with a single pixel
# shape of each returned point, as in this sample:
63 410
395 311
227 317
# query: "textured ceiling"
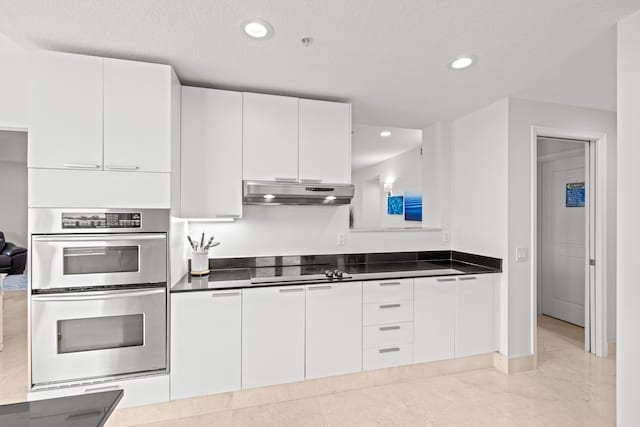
387 57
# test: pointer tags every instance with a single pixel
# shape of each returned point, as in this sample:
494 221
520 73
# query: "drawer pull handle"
446 280
389 328
123 167
390 284
80 166
390 306
287 290
312 288
228 294
389 350
468 278
103 388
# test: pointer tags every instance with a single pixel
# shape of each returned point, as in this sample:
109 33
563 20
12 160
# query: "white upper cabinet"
324 141
137 116
211 153
270 137
65 108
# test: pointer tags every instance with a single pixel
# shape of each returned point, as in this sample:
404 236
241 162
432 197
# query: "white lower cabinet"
206 335
273 335
475 315
333 329
387 356
434 318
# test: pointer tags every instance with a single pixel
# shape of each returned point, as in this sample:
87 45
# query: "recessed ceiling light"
257 29
462 62
385 133
269 196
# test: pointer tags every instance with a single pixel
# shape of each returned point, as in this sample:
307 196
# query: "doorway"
563 235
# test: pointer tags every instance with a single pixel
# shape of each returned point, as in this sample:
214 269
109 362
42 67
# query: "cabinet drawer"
388 290
387 356
387 312
387 335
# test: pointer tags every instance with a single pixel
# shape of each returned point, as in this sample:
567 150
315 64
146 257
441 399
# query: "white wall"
405 171
628 343
13 85
522 116
479 190
13 188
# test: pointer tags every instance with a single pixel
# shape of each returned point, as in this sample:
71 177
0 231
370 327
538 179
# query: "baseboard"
611 348
514 365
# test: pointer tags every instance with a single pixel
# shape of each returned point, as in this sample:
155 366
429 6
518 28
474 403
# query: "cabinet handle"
310 181
285 179
123 168
311 288
446 280
467 278
389 328
285 290
228 294
389 284
390 306
103 388
389 350
80 166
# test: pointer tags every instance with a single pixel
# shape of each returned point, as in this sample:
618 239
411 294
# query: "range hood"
296 193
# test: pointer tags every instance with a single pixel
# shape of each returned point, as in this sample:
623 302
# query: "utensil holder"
200 263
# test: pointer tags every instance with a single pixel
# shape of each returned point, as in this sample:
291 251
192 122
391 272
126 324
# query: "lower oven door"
87 335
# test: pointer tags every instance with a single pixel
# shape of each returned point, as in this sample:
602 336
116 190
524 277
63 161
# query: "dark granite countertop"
86 410
240 278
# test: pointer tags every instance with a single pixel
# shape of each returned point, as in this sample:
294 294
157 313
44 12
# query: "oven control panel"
93 220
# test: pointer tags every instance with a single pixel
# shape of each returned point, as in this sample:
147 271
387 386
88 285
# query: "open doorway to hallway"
563 234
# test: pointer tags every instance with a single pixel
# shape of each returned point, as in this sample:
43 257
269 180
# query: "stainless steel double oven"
98 294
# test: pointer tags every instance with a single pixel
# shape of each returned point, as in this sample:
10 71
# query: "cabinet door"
137 116
65 108
270 137
211 153
334 329
325 141
434 319
475 308
205 343
272 335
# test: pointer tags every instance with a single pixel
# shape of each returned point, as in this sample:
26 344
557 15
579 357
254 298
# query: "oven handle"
92 296
94 237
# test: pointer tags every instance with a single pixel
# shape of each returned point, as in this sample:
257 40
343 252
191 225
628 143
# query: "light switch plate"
522 254
445 236
341 239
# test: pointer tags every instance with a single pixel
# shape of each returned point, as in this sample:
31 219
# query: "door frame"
598 323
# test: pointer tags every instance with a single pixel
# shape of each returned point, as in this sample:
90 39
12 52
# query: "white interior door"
563 240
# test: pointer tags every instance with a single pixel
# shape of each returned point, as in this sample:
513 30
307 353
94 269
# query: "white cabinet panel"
273 335
270 137
475 310
211 153
434 319
137 116
387 356
388 290
387 312
387 335
51 188
325 141
65 109
205 343
333 329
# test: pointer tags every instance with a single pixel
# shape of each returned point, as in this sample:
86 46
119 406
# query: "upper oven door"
69 261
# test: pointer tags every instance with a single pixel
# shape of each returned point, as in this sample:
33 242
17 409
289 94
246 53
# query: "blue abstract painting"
395 205
575 196
412 207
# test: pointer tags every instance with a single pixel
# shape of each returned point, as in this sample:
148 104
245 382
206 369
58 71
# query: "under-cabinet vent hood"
296 193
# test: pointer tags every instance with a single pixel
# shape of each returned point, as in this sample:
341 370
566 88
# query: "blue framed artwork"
575 195
412 207
395 205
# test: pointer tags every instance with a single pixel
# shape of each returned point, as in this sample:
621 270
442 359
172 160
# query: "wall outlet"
445 236
341 239
522 254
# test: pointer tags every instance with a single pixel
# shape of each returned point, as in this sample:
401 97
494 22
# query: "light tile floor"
570 388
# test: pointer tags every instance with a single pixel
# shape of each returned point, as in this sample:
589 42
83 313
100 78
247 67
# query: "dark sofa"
12 258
